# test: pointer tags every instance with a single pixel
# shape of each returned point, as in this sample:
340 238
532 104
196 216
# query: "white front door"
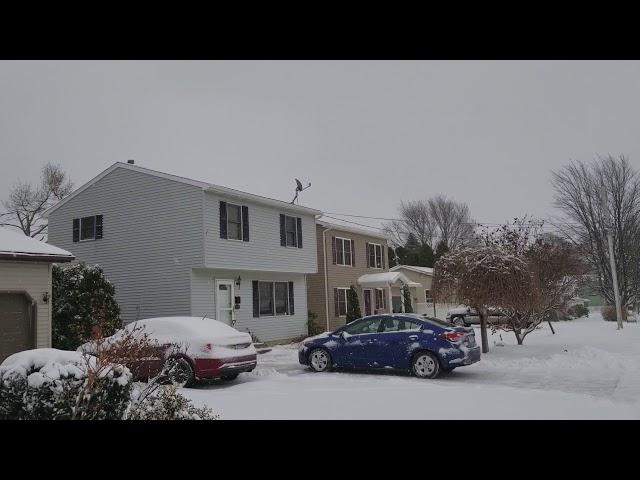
224 301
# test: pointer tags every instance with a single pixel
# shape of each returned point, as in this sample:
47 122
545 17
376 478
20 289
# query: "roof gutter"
21 257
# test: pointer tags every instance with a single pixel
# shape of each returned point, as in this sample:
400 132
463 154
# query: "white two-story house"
174 246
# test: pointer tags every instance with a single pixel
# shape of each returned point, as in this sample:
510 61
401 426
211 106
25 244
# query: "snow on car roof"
199 326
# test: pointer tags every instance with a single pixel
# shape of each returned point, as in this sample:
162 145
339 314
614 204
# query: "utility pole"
612 260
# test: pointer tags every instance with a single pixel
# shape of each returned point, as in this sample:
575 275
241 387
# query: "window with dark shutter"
223 219
382 250
283 234
256 299
98 227
245 223
333 249
292 309
299 231
76 229
353 253
87 228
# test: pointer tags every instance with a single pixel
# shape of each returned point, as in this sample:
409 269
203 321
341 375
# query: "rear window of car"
436 321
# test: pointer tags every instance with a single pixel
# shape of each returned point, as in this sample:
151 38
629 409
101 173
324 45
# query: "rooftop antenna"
299 188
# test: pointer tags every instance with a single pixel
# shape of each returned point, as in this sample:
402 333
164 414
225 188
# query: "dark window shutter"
76 229
98 226
368 257
335 302
299 229
245 223
382 249
256 299
223 219
353 253
333 249
283 235
292 309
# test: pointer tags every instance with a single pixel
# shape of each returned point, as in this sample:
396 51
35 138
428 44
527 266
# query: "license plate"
471 341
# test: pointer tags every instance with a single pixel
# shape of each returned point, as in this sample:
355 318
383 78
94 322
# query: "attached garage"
25 291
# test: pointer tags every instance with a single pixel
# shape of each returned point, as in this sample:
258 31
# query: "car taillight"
452 336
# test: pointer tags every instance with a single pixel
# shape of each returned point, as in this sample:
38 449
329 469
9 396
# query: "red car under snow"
194 347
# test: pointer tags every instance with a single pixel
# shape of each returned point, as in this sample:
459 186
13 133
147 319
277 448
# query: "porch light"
45 297
238 280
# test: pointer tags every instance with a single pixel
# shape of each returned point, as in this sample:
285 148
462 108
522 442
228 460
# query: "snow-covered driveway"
587 370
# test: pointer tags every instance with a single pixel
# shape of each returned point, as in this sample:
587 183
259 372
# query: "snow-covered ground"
587 370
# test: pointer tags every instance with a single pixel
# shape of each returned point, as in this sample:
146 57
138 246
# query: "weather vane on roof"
299 188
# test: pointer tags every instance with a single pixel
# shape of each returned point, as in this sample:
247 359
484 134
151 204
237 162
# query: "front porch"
382 292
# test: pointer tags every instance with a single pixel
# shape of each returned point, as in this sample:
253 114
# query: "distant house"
173 246
25 291
421 293
348 257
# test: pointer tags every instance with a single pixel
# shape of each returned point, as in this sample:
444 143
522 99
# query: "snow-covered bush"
165 403
578 311
50 384
83 301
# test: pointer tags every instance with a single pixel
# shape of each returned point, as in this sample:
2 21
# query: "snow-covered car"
464 316
195 347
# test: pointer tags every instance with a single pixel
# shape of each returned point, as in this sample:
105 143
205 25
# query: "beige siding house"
25 291
347 256
422 293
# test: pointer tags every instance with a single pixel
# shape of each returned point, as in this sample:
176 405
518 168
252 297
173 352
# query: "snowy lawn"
587 370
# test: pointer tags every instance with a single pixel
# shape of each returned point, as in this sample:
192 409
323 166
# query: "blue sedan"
424 346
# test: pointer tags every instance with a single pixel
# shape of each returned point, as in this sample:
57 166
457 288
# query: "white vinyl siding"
264 251
267 328
155 236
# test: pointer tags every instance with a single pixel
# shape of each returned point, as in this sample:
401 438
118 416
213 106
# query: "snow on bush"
50 384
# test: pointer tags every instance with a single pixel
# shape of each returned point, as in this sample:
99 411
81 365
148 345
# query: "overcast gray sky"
365 134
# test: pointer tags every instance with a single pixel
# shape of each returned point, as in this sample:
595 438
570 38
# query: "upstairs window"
234 221
87 228
343 251
290 231
375 255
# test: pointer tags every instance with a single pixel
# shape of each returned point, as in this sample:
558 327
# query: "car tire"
425 365
180 372
459 321
320 360
228 378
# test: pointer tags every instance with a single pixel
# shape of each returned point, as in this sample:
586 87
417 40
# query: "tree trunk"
483 330
551 326
519 337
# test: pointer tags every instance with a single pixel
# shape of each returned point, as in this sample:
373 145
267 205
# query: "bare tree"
432 221
481 277
579 192
414 219
25 207
453 220
555 269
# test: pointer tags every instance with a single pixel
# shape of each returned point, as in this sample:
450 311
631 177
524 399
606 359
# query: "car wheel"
228 378
459 322
179 372
425 365
320 360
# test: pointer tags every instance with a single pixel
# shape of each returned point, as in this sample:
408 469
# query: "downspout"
326 283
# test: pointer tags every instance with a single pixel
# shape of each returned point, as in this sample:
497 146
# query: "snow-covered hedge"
50 384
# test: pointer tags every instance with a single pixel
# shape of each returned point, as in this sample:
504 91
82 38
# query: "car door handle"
372 341
413 337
